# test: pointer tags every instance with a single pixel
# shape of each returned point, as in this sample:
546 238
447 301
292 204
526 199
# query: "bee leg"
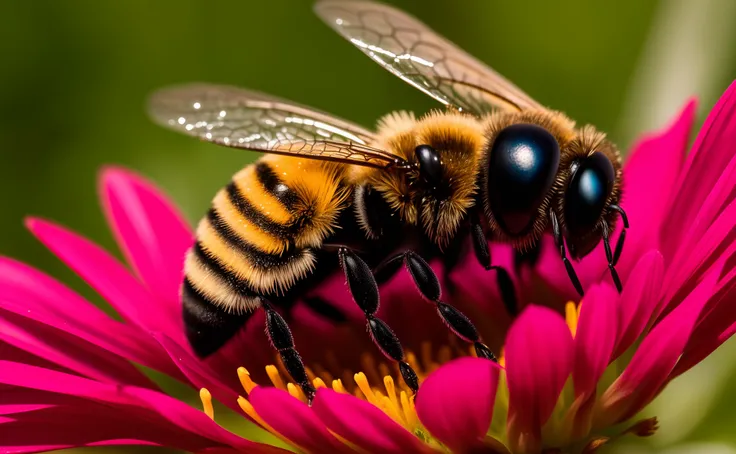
560 242
622 237
388 268
280 336
480 246
429 286
364 290
609 257
503 280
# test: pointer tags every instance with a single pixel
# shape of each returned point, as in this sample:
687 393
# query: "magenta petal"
20 400
716 325
595 337
711 152
645 190
20 408
183 416
86 423
709 247
695 352
294 420
32 294
657 355
54 429
40 379
639 299
456 402
716 206
109 277
539 358
149 229
364 425
200 374
112 409
68 351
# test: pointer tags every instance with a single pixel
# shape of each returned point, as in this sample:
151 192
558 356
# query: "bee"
494 164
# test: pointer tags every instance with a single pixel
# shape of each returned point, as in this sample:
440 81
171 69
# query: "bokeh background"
75 75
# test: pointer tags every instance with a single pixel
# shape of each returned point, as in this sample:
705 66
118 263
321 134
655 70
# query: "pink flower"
572 375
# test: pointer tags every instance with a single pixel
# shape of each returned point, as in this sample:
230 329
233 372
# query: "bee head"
443 176
590 188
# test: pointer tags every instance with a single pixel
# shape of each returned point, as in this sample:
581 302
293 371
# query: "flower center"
378 383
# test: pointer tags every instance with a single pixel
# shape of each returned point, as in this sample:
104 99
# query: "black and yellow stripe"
259 238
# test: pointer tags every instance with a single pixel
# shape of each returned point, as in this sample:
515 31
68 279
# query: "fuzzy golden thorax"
587 141
562 129
439 210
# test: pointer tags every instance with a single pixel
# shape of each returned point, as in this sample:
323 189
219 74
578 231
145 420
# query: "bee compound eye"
430 164
522 164
589 188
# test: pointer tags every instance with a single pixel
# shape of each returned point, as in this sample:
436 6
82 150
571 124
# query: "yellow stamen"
245 380
572 314
250 411
319 383
362 381
296 392
394 398
338 387
380 385
388 382
275 377
410 414
206 398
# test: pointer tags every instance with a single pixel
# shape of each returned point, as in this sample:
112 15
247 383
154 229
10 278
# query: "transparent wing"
254 121
412 51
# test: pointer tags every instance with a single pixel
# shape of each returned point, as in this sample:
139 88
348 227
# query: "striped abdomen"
257 239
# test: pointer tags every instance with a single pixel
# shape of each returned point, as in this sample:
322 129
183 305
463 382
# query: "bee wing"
415 53
255 121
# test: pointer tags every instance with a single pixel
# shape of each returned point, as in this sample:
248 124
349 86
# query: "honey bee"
494 164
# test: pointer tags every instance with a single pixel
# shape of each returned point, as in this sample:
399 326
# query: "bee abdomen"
207 325
258 239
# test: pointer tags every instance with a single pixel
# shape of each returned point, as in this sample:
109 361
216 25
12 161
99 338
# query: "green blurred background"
75 76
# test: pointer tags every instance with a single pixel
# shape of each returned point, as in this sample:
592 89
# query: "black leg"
429 286
387 269
508 293
480 246
619 247
364 290
561 244
280 336
609 257
622 237
504 282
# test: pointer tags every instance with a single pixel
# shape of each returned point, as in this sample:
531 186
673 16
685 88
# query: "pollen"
377 383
